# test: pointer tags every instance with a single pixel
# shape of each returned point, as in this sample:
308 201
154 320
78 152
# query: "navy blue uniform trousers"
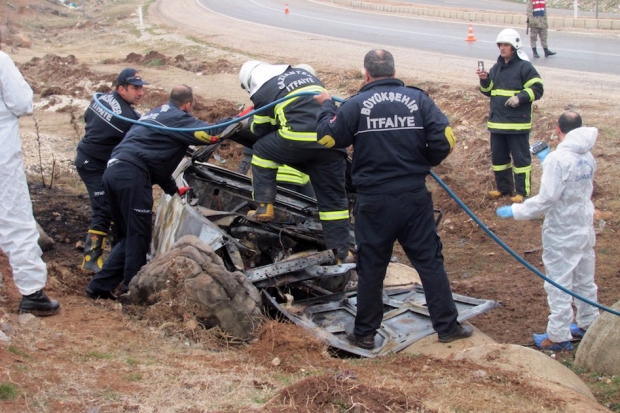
130 194
382 219
91 173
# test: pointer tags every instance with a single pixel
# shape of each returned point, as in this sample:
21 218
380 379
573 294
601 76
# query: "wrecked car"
286 260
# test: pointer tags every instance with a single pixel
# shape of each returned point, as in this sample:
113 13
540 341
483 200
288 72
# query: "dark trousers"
512 174
130 194
91 173
408 217
326 168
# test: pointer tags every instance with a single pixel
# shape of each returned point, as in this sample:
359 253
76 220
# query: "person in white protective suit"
568 233
18 231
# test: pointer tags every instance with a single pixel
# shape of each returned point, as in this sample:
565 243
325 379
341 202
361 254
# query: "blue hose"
514 254
443 185
214 126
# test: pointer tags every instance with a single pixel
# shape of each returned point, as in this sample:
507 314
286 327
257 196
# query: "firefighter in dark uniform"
146 156
398 134
287 136
513 84
103 133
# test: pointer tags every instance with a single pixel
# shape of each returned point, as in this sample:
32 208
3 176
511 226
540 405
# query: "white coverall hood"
568 233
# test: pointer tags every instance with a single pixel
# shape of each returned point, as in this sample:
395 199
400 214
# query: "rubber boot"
93 250
263 213
496 194
536 55
548 52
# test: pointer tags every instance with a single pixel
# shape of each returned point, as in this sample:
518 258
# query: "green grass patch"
8 391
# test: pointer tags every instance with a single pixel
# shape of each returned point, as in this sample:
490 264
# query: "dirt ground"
103 357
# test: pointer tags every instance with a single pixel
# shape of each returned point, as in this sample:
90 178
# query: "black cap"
130 76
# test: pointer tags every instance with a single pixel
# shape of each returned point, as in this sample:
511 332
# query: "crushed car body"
287 260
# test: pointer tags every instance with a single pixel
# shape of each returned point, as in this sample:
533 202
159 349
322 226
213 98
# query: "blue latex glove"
505 212
543 154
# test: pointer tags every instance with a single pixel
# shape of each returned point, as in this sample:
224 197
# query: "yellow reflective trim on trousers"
264 163
509 126
292 175
527 171
504 92
334 215
284 130
499 168
94 231
486 89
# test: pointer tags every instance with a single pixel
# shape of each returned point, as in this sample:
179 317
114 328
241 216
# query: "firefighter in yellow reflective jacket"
287 136
513 84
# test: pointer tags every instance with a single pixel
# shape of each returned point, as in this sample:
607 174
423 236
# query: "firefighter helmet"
510 36
246 72
306 67
254 74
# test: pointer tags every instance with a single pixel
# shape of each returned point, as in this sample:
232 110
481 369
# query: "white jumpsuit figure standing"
568 233
18 232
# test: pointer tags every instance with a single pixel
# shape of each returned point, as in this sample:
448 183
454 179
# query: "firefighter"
146 156
398 134
287 136
103 132
513 84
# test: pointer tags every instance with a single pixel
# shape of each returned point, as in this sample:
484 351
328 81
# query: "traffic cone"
286 9
470 35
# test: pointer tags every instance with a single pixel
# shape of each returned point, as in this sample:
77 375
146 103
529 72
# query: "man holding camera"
512 84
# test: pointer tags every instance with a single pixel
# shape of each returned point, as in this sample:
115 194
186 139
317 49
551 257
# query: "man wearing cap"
103 132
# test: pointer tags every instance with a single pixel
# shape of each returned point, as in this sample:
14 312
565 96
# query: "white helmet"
246 72
511 37
254 74
306 67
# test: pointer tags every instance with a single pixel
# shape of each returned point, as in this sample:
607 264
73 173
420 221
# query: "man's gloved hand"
512 102
245 123
543 154
505 212
184 189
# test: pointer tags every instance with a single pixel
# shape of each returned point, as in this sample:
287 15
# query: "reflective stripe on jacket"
294 118
515 78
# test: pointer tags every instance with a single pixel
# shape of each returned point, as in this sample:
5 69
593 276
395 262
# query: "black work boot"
536 55
366 342
462 331
93 250
100 295
548 52
38 304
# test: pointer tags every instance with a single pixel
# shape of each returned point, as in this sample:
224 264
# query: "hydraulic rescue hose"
439 181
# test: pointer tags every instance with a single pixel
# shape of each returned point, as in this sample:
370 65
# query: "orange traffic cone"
286 9
470 35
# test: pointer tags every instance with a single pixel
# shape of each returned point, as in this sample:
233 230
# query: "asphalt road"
583 51
504 6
